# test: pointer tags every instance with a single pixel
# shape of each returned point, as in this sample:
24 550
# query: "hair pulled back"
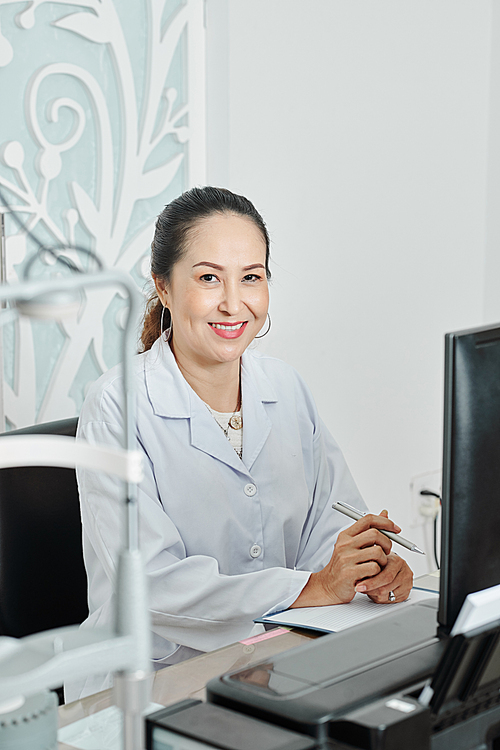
171 237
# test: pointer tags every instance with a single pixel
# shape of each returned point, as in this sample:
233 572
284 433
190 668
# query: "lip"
229 334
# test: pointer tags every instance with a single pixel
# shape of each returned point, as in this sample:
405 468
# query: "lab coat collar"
168 391
172 397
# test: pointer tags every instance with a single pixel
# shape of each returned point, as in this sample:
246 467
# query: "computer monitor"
470 533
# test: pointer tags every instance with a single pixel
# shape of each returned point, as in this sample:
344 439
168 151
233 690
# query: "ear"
161 290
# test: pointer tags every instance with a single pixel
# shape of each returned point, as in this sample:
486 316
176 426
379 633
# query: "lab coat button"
255 550
250 490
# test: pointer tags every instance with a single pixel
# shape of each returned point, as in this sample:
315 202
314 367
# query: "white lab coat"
225 540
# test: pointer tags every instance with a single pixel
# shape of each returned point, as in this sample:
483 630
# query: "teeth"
226 328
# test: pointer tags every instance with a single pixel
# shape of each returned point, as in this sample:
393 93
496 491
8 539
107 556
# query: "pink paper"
264 636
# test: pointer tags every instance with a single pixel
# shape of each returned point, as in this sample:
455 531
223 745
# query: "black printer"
347 684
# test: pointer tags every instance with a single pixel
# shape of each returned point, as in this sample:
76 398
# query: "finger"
402 580
400 593
370 554
366 571
372 537
384 513
385 597
385 579
371 521
383 592
369 546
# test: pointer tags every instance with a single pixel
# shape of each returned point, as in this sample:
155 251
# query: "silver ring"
392 597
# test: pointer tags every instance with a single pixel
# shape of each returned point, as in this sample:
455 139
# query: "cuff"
297 583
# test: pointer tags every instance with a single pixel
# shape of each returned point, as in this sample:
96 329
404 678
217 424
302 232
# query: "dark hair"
171 237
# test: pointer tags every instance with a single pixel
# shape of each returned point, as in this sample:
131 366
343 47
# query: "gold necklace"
236 420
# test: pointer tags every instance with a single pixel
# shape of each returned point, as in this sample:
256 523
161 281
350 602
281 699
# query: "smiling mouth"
229 330
226 327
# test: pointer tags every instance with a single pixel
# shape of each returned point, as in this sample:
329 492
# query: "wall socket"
424 508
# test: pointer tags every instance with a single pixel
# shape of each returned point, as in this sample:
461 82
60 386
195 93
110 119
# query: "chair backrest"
43 584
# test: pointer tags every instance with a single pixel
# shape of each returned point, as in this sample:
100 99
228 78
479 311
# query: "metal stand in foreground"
45 660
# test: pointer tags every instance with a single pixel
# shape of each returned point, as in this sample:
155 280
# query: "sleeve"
332 482
192 603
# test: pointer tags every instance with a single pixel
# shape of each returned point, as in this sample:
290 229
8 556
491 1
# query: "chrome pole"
132 685
3 261
3 304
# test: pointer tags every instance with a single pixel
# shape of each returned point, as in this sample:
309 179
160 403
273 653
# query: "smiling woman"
217 297
240 472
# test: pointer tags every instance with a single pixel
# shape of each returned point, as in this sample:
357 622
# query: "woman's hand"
360 555
396 577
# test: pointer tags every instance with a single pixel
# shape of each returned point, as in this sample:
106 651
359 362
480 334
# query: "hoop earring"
167 333
268 328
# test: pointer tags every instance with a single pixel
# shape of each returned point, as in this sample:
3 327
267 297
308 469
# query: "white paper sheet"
342 616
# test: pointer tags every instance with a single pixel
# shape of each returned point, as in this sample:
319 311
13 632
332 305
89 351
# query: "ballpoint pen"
351 512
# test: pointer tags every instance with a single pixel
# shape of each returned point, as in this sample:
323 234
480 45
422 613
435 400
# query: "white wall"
492 254
360 131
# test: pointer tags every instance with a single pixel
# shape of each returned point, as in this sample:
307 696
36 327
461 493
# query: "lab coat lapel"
207 436
256 392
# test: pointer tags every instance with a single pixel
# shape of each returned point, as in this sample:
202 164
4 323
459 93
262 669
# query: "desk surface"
188 679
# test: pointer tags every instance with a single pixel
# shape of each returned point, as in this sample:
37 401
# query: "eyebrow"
221 268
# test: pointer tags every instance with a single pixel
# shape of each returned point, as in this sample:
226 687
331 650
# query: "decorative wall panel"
103 122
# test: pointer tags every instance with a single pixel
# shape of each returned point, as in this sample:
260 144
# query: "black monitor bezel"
449 602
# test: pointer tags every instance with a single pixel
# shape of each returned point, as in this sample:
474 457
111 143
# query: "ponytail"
151 327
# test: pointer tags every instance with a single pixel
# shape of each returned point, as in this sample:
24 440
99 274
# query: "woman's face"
217 295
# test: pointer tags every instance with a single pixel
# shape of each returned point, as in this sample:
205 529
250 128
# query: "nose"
231 299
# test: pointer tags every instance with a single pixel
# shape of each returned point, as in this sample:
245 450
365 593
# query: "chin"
232 355
229 353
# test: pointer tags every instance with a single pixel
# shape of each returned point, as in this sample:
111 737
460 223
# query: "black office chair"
43 584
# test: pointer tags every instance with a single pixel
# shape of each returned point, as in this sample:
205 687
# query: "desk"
188 679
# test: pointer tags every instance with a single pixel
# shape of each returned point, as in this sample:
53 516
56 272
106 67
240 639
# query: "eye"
208 277
252 277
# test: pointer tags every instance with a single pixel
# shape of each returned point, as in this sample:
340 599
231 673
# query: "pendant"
236 422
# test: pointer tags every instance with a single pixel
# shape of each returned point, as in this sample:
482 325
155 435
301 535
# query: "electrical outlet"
424 507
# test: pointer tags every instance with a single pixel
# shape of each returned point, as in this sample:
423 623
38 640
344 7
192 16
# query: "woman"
240 473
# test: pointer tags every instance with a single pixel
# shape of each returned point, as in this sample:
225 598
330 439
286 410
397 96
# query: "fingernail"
397 528
361 588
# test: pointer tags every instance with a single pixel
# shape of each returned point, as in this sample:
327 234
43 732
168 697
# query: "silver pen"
351 512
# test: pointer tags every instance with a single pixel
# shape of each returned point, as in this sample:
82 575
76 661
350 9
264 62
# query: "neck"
218 385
